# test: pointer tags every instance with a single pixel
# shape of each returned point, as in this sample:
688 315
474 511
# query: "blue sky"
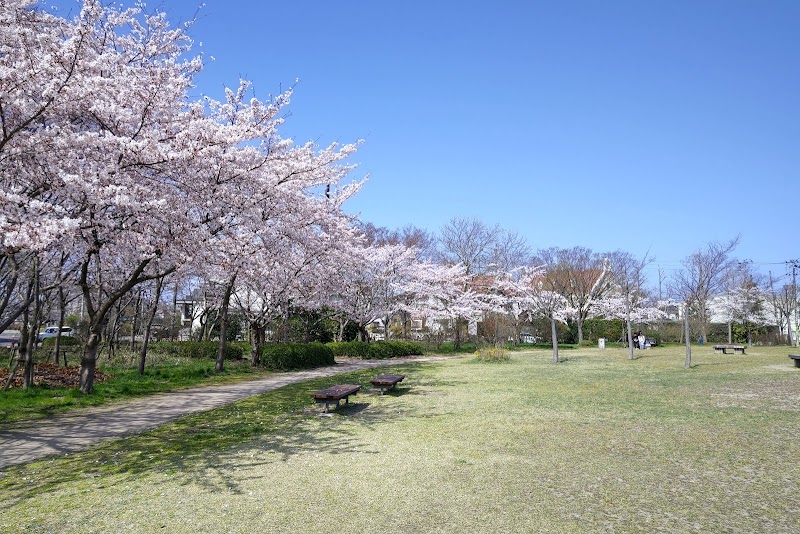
634 125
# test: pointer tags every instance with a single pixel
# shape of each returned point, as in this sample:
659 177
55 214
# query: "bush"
66 341
199 349
286 356
377 350
497 353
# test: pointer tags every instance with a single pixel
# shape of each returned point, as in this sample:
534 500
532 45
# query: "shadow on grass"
205 448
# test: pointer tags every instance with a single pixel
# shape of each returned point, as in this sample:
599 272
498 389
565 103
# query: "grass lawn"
595 443
163 373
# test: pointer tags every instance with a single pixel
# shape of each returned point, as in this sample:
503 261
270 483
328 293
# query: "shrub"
66 341
497 353
199 349
285 356
377 350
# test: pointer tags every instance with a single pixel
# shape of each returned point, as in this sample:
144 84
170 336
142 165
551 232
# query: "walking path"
77 430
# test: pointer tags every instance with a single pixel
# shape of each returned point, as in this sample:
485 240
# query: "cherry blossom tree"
106 156
374 284
442 296
292 267
534 294
626 299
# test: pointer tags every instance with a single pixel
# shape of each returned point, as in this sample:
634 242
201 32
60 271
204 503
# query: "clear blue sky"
629 125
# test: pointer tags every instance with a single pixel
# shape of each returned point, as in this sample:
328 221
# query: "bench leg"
797 363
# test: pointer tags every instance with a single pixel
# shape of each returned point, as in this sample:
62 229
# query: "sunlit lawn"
594 443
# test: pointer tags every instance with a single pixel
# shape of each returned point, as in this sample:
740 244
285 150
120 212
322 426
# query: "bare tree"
700 279
510 250
468 242
409 236
783 301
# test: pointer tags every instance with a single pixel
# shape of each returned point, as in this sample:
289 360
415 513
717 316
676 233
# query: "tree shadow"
206 448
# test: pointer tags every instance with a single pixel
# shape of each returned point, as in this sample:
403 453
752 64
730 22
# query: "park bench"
387 382
334 394
725 348
796 358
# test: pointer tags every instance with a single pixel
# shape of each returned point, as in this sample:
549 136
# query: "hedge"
377 350
285 356
199 349
65 341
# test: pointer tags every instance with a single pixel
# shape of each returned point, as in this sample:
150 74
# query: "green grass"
164 373
595 443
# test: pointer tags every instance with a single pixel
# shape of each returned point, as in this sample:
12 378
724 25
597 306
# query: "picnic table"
796 358
725 348
387 382
334 394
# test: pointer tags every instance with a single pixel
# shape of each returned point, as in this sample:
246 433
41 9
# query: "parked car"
52 331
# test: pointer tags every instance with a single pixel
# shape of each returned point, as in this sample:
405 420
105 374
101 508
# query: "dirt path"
77 430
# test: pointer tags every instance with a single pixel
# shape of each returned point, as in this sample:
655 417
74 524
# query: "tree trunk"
223 326
32 336
149 326
730 333
404 317
62 303
257 337
89 358
580 330
703 321
173 322
135 324
457 337
687 337
15 358
630 338
554 334
24 357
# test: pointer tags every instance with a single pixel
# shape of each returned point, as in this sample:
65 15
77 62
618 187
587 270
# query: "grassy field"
595 443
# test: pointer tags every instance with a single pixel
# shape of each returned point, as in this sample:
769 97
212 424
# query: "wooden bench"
334 394
387 382
796 358
725 348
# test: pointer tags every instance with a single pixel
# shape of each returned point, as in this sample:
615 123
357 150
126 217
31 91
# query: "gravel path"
77 430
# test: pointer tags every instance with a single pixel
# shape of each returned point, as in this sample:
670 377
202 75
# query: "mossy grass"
595 443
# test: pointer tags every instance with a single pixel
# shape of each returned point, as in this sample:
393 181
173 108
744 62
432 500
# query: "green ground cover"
163 373
595 443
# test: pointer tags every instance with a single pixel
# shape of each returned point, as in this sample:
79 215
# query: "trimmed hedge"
377 350
286 356
199 349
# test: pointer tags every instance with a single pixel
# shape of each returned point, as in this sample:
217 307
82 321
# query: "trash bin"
601 343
